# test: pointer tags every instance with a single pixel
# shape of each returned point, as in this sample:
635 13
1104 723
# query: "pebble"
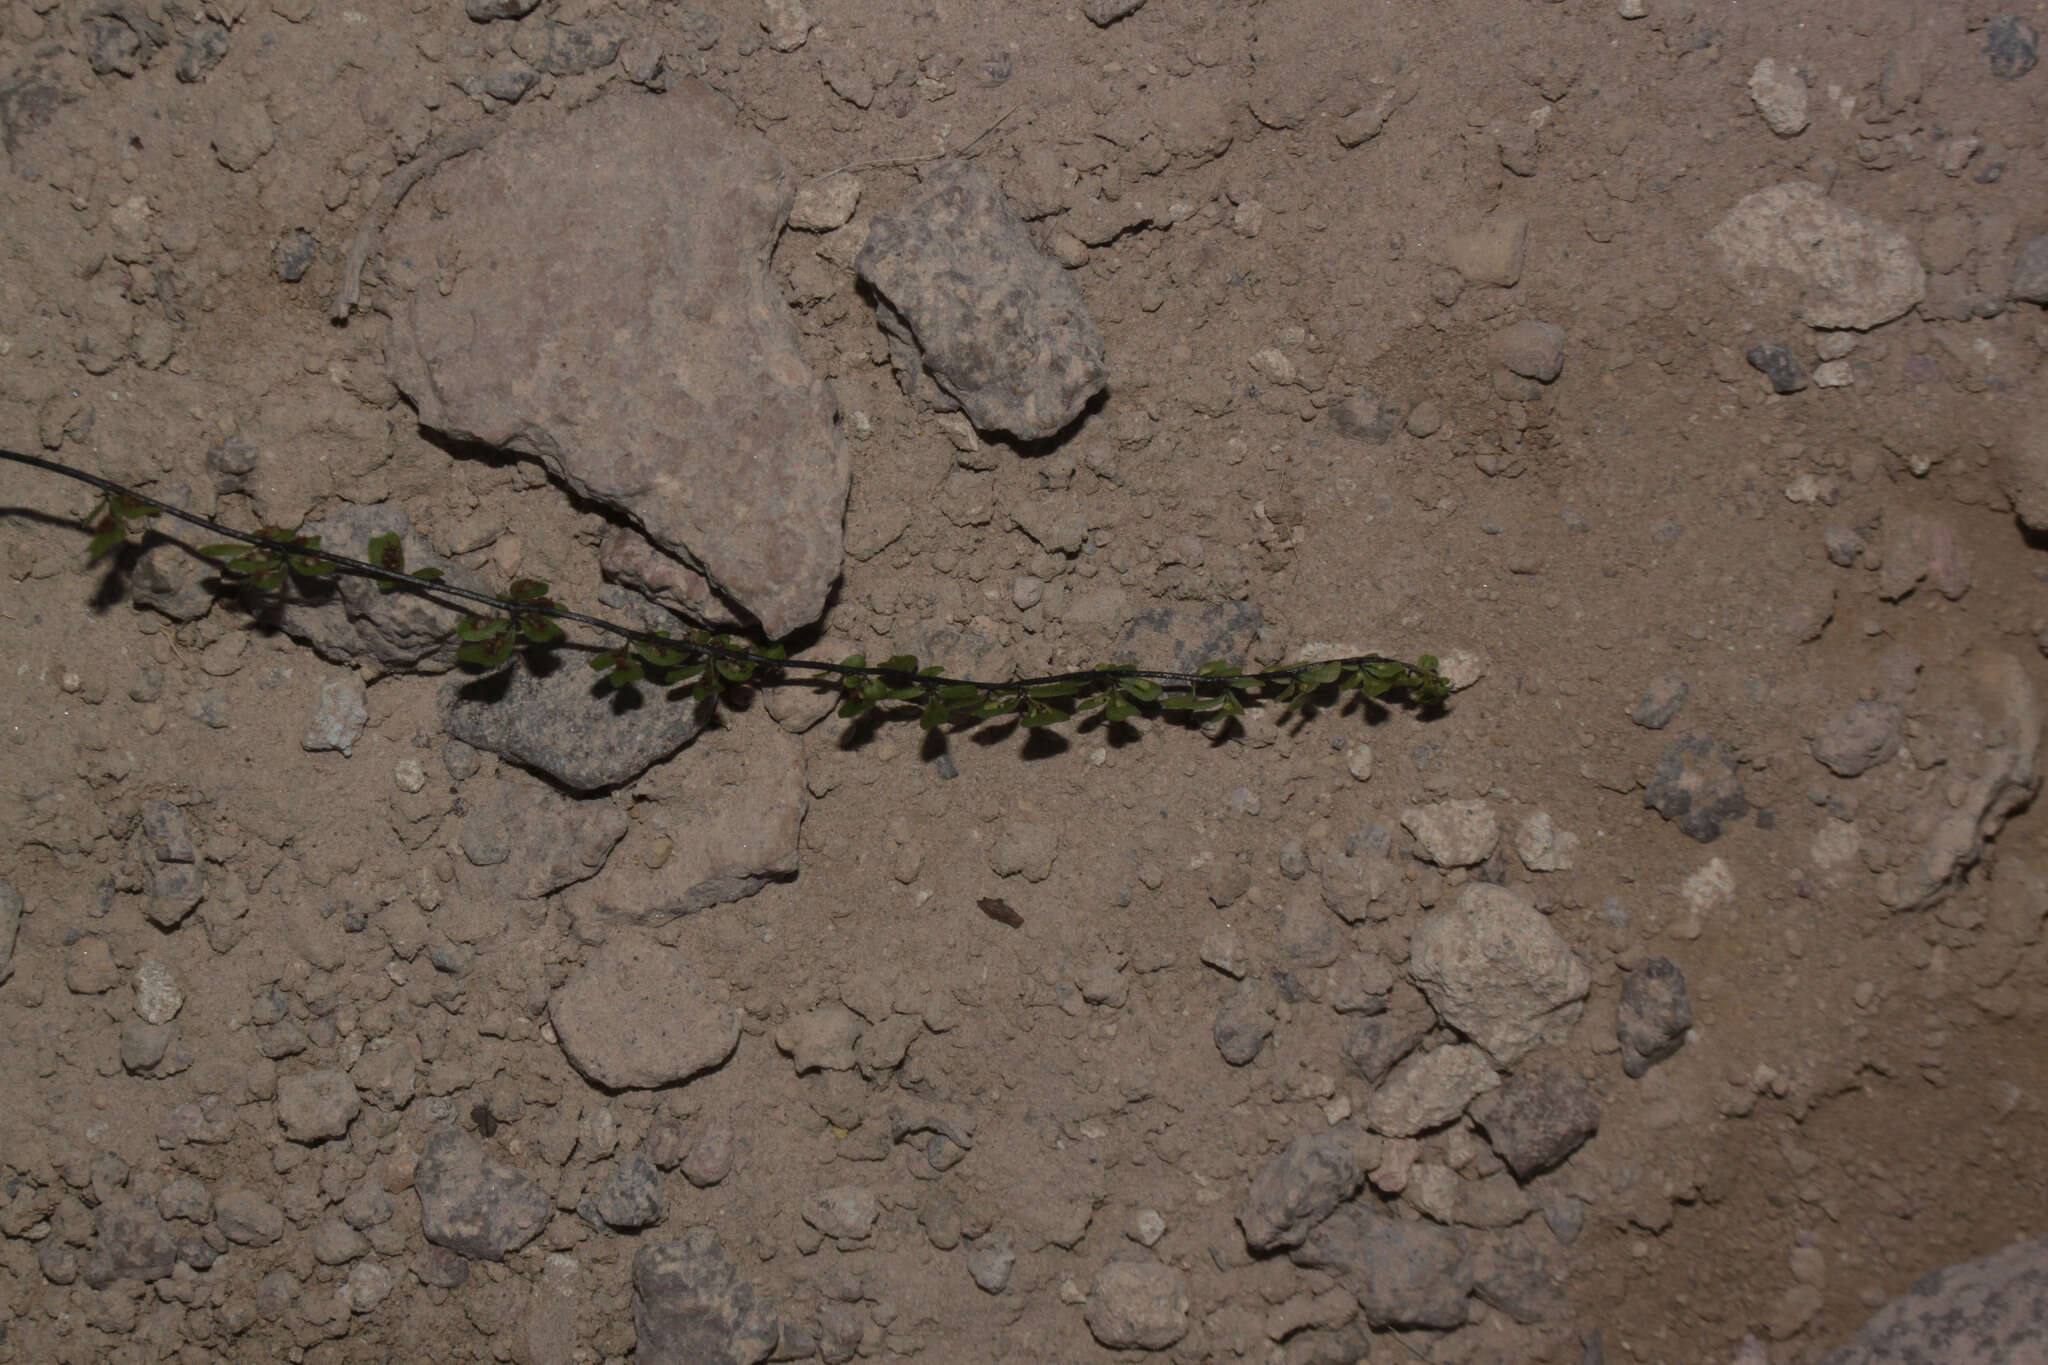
1491 253
1531 349
1140 1305
11 908
1538 1119
1495 969
825 204
2012 45
1834 374
1454 833
1148 1227
1544 848
629 1199
1695 786
711 1156
473 1204
369 1284
1780 96
1225 951
336 1243
157 997
1779 365
990 1262
1380 1040
1854 272
1103 13
316 1106
1430 1090
340 718
823 1039
1242 1026
1653 1015
1298 1189
1854 741
636 1018
843 1212
247 1218
1661 703
2030 272
690 1305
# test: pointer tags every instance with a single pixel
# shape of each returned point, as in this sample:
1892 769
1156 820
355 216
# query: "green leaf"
1217 668
625 675
430 573
854 661
539 630
936 713
479 628
228 550
1140 689
527 590
311 568
1118 710
1039 713
100 544
853 707
1058 689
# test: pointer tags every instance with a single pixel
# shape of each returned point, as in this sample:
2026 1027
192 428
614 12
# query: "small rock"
822 1039
1544 848
1531 349
1454 833
1403 1274
368 1285
976 317
1367 417
2013 47
474 1204
690 1307
1653 1015
990 1262
316 1106
1538 1119
844 1212
711 1156
629 1199
1308 937
1660 705
637 1018
336 1243
1137 1304
2030 272
1492 253
1696 787
247 1219
340 720
1780 96
1858 739
1850 271
788 23
825 204
157 997
1298 1189
1242 1027
1511 1274
134 1238
1429 1091
294 255
1376 1043
557 725
1103 13
1024 849
1778 365
1495 969
1225 951
1359 886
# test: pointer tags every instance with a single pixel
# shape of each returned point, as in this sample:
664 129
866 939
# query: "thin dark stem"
436 590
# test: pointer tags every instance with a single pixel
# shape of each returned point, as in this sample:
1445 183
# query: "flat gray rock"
1402 1274
1992 1311
613 316
528 841
636 1018
1498 972
1847 270
559 724
977 317
1298 1189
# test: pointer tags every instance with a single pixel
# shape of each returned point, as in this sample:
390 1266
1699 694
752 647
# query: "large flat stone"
597 296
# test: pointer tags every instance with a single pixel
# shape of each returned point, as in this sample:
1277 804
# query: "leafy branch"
703 665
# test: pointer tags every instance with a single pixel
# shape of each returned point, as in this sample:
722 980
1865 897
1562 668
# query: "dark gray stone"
976 317
1241 1028
629 1199
483 11
1696 787
472 1203
294 255
2030 271
2013 47
1539 1118
1653 1014
1991 1311
567 49
1298 1189
690 1306
1778 365
1402 1274
1659 706
1367 417
1103 13
511 83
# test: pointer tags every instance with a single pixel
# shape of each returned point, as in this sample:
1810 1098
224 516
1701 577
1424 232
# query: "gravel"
690 1307
1495 969
1454 833
474 1204
1430 1090
1695 786
1854 741
316 1106
1138 1305
1538 1119
1403 1274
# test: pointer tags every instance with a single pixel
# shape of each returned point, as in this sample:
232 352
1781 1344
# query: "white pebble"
410 775
157 997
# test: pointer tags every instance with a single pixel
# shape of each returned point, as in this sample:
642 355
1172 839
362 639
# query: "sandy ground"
1860 1098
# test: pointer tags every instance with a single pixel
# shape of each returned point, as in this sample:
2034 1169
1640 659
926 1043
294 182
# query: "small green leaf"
539 630
935 714
1140 689
100 544
527 590
1217 668
478 628
430 573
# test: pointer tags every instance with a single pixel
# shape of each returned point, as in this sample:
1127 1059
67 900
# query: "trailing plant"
701 665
